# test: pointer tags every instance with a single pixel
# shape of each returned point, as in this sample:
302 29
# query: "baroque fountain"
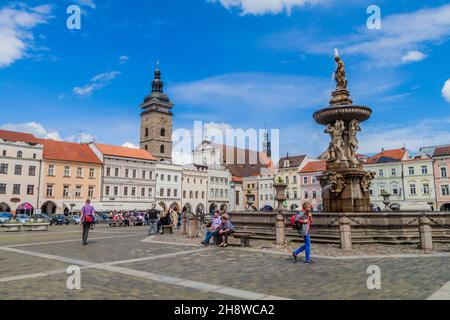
345 184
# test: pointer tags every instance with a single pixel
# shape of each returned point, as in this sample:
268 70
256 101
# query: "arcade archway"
49 208
187 208
4 207
446 207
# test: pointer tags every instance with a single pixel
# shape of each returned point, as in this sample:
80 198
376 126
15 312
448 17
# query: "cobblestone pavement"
127 264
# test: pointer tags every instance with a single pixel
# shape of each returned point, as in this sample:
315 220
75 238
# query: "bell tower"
156 121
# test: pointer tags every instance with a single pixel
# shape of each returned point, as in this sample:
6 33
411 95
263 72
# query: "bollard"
191 226
426 235
345 231
184 224
280 227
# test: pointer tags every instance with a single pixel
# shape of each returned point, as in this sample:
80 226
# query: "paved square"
127 264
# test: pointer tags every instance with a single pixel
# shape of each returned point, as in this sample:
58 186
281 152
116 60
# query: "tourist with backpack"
302 223
87 219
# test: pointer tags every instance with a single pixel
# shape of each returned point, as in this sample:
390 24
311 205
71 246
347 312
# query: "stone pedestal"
280 227
184 224
192 230
426 235
345 231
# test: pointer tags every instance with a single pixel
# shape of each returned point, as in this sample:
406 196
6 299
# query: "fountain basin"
346 113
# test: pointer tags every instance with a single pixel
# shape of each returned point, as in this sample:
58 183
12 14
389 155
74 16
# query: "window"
216 193
30 190
146 132
175 178
175 193
150 192
4 153
4 168
424 170
133 191
116 191
381 173
393 172
294 179
16 189
127 173
445 190
19 154
191 194
169 178
287 179
32 171
314 194
162 177
125 191
203 194
184 194
66 191
163 132
107 190
108 172
211 193
426 188
91 173
151 175
237 198
134 174
116 172
18 170
161 192
221 193
444 172
305 180
51 170
306 195
295 194
411 171
34 156
162 149
79 172
66 171
78 191
142 192
144 174
169 192
314 180
412 188
395 191
196 194
49 190
2 188
91 192
261 198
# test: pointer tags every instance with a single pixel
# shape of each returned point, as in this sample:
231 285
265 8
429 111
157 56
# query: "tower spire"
157 84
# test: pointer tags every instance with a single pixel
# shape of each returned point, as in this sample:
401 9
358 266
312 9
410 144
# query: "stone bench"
167 229
244 237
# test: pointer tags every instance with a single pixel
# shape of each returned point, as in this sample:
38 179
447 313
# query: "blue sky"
237 63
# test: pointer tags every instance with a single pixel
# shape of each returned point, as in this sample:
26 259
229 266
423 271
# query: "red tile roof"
295 161
315 166
442 151
18 137
124 152
397 154
68 151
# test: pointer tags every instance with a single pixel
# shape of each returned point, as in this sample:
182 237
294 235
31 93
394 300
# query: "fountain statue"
345 184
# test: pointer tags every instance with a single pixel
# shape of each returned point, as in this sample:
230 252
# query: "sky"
229 63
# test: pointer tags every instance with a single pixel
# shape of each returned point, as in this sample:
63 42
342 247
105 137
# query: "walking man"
87 219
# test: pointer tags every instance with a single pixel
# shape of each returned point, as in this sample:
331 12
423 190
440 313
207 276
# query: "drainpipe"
39 186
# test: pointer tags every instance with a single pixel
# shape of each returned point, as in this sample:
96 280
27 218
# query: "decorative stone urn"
250 201
345 184
386 201
280 196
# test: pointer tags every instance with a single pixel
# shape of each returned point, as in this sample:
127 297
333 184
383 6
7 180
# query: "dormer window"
19 154
287 164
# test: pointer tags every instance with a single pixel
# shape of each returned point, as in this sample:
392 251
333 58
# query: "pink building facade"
441 158
310 185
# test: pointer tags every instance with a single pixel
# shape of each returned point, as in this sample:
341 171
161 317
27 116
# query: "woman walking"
87 219
302 222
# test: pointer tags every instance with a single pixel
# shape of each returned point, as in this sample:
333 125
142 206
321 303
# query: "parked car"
59 219
5 217
74 219
41 216
23 218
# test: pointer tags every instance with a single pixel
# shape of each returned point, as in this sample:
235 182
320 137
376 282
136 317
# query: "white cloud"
130 145
403 35
88 3
34 128
260 7
98 82
413 56
124 59
446 91
16 24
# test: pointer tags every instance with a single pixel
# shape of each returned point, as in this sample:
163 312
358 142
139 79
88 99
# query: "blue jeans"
306 247
209 235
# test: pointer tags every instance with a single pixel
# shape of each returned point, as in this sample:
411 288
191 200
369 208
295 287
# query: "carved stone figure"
339 74
336 183
366 181
353 144
336 151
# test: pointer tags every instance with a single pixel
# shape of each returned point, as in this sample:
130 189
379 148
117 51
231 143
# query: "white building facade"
218 189
194 189
169 186
20 171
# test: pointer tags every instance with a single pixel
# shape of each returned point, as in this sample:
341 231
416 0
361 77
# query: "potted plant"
12 225
36 225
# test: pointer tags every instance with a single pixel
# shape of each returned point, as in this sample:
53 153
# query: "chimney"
382 150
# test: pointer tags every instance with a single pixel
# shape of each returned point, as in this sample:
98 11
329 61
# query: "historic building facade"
441 156
156 122
310 185
20 170
168 186
266 191
250 188
70 175
237 202
194 189
218 189
288 170
128 178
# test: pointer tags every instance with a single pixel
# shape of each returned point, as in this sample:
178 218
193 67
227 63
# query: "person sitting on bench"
215 227
226 229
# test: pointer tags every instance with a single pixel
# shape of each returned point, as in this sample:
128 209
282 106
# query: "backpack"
295 222
89 218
